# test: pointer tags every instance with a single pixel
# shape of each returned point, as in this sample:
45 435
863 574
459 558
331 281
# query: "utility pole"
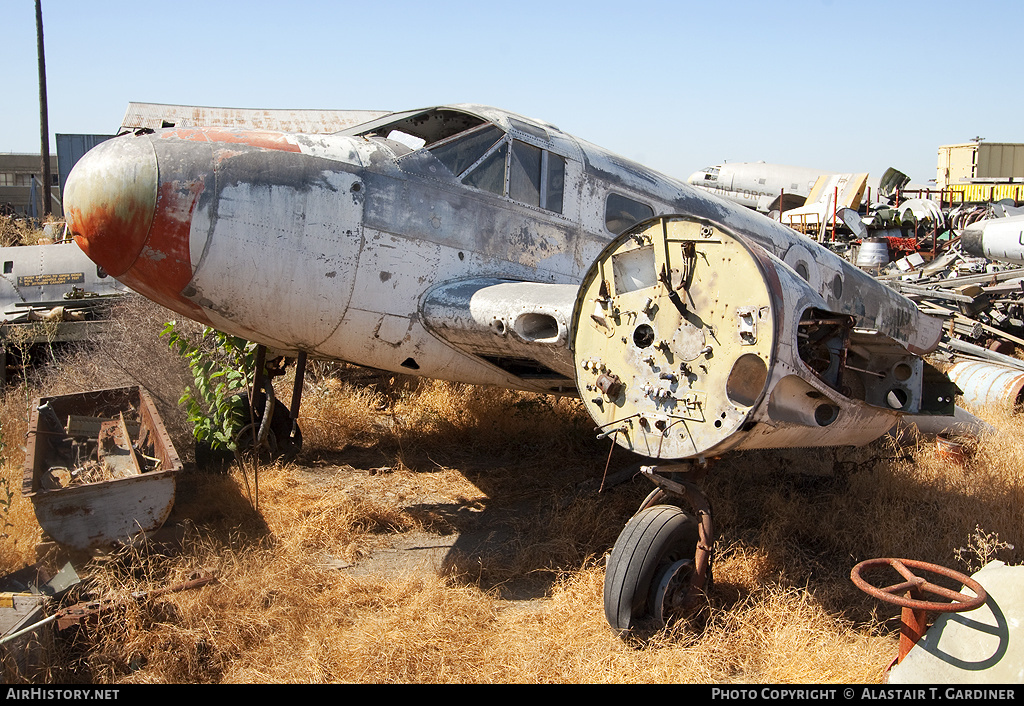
44 128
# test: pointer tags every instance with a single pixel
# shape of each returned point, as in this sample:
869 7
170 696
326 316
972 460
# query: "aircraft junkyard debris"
100 468
33 602
936 256
50 293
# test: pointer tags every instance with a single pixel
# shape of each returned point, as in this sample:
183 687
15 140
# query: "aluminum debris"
961 262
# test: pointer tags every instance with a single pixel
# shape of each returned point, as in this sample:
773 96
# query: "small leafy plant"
222 367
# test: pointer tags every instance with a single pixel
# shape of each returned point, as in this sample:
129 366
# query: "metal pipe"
970 348
30 628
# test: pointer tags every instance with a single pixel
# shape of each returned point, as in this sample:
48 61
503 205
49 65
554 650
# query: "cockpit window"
535 176
490 174
477 152
711 174
461 154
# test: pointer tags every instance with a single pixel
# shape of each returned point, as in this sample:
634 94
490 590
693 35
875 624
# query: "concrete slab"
983 646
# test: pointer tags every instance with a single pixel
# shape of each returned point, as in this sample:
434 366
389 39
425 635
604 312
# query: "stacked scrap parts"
982 302
963 263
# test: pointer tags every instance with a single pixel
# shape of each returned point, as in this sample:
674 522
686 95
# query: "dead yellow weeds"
386 457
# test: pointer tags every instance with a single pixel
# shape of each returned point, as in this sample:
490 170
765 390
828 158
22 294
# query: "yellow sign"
58 278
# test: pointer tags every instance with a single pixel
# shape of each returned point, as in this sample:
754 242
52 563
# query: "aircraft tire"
654 539
285 443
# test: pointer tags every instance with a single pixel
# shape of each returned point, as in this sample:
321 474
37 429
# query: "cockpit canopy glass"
430 126
479 153
460 155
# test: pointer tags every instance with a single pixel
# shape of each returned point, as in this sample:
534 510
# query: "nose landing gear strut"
660 567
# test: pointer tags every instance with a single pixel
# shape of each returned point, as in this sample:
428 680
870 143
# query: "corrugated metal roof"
316 122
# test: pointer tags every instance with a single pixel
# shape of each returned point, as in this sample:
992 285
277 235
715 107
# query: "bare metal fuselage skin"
351 247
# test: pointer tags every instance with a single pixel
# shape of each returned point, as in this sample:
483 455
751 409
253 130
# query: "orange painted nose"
110 200
129 207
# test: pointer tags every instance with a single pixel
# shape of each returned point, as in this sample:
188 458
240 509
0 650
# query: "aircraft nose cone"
110 201
972 240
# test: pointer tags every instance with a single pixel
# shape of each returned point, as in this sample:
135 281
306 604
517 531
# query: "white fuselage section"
756 185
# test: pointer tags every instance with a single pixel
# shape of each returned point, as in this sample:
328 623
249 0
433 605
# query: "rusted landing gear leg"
272 427
660 566
688 491
300 376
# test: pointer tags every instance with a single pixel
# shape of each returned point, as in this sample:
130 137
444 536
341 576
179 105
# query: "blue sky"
843 86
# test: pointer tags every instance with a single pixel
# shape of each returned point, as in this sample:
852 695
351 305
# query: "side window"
536 177
524 177
555 187
621 212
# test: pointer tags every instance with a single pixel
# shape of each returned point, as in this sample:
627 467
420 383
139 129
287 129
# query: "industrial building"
21 185
21 176
980 171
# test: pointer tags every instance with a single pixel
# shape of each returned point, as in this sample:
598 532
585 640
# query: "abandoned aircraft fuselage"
452 243
43 276
758 185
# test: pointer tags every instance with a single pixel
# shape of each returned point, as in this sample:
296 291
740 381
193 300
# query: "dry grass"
388 457
21 231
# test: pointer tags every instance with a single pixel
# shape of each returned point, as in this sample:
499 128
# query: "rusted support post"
912 627
835 213
300 375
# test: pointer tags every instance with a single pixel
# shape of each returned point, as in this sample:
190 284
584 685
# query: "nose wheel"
648 571
660 567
